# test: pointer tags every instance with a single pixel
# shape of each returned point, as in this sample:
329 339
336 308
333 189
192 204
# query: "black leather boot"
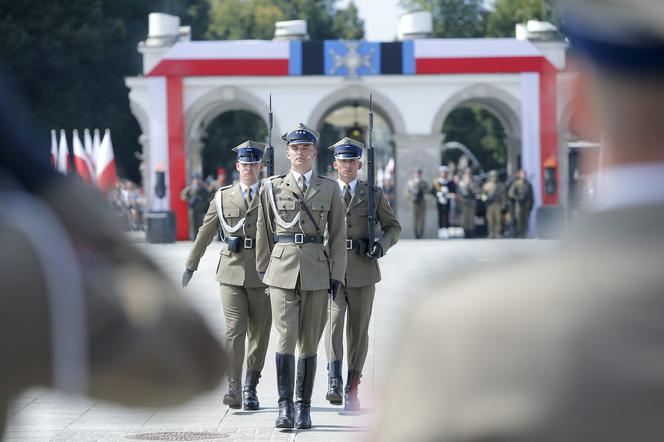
285 380
335 383
249 396
351 401
306 373
233 397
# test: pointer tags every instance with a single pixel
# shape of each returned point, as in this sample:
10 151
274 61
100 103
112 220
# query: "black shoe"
306 374
233 398
285 380
351 401
249 396
335 383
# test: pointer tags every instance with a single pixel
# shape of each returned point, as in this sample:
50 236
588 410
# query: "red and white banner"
106 174
96 142
82 162
54 149
210 58
87 144
63 154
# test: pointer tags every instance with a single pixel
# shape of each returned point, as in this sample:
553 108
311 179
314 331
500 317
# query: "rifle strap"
304 207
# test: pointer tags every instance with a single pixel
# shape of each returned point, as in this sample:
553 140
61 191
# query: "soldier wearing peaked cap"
295 209
362 274
573 352
234 211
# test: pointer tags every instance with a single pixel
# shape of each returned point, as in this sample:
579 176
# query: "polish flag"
54 149
81 160
106 175
87 143
95 146
63 154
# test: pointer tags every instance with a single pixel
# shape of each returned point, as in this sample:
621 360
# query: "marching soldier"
493 194
246 306
416 190
295 209
444 190
521 192
362 274
196 197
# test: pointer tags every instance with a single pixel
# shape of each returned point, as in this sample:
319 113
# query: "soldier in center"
295 210
362 273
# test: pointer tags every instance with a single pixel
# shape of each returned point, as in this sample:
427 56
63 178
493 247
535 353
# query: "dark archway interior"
481 131
225 132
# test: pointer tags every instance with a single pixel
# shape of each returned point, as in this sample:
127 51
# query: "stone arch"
358 93
499 102
212 104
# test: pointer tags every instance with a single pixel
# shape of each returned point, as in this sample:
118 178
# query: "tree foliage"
452 18
507 13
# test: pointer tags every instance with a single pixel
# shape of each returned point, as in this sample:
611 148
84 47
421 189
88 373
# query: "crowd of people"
473 205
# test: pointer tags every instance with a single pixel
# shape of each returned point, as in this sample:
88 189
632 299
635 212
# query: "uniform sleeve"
337 228
264 236
389 223
205 235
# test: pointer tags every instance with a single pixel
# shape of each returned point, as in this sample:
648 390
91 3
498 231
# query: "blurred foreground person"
573 352
247 311
81 309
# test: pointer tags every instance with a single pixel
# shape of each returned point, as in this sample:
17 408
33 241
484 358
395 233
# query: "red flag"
54 150
63 154
81 160
106 175
87 144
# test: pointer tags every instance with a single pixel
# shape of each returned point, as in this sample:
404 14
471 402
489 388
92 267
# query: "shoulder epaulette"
328 178
276 176
225 187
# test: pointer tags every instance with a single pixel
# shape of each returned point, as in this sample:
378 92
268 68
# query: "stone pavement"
408 269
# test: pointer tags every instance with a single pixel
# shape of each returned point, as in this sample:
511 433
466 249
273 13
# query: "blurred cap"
249 152
626 35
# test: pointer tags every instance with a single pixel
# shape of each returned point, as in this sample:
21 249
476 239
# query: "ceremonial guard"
493 195
234 211
362 273
295 210
416 190
445 191
521 193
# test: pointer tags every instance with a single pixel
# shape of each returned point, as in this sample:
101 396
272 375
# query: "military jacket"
360 269
233 268
284 263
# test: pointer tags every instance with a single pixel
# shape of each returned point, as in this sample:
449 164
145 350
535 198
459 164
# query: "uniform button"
303 221
300 246
350 225
248 225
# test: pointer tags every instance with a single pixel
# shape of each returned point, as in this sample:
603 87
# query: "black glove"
261 275
334 288
376 251
186 277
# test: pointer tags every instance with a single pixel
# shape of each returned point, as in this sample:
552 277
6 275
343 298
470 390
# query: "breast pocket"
285 204
231 212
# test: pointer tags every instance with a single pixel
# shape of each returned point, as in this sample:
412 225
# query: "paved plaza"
410 269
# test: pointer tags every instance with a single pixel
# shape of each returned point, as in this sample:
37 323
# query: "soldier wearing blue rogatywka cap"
234 212
355 299
573 350
295 210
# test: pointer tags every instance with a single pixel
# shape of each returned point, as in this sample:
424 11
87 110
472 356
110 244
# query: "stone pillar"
416 152
513 150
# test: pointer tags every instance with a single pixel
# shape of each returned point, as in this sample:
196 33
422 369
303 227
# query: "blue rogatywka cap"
250 152
301 135
347 149
619 36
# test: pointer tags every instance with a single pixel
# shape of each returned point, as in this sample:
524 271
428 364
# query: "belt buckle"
248 243
299 238
349 244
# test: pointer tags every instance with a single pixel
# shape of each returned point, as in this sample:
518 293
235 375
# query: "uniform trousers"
299 317
419 216
494 219
358 301
247 314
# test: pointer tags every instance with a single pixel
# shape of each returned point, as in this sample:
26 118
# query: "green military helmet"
301 134
250 152
347 149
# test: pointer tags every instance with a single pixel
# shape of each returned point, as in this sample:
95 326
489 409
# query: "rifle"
269 157
371 179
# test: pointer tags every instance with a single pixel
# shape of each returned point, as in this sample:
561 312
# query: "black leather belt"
357 244
299 238
247 243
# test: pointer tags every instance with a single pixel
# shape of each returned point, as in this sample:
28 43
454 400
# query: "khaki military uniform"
521 192
362 273
83 311
246 305
299 274
416 191
493 193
